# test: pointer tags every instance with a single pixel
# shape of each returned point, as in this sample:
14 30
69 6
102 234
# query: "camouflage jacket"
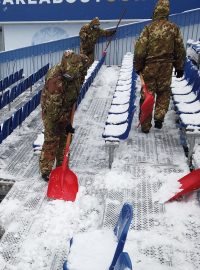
89 37
160 41
59 94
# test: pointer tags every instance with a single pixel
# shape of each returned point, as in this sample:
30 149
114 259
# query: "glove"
69 129
178 73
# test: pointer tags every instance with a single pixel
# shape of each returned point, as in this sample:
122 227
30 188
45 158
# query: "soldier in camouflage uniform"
89 34
159 48
60 92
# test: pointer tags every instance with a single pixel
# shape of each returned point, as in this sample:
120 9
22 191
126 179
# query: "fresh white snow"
145 172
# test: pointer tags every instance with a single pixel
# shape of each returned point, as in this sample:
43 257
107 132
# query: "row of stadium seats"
120 261
10 124
11 79
15 91
120 115
19 116
186 97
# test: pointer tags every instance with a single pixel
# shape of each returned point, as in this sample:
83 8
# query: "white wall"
22 35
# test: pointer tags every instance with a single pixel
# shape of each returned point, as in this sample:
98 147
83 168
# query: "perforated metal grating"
145 209
162 254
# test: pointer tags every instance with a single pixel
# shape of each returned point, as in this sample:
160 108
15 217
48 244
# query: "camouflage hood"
161 10
94 21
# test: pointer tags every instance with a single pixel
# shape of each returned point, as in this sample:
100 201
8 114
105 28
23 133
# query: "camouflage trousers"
157 77
90 55
54 145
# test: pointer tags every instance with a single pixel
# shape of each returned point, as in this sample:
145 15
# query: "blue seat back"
5 83
7 128
121 231
17 118
1 85
123 262
10 79
12 94
20 74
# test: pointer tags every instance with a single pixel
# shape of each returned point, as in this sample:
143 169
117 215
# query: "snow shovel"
108 43
147 106
189 183
63 183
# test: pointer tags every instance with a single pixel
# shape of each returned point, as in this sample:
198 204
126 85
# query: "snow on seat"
100 249
181 90
121 88
124 82
193 107
115 130
127 72
190 119
119 108
117 118
185 98
125 77
120 114
188 89
121 101
121 98
119 94
180 82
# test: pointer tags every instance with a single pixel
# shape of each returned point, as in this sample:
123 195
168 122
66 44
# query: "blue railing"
34 57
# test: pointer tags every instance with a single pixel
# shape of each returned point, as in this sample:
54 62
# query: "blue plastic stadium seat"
20 74
25 85
1 86
15 76
25 111
17 118
30 80
120 231
12 94
10 79
7 128
123 262
5 99
5 83
36 76
18 89
32 104
1 135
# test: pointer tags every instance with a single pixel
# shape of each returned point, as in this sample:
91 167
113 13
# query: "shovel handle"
119 21
69 135
142 79
144 86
